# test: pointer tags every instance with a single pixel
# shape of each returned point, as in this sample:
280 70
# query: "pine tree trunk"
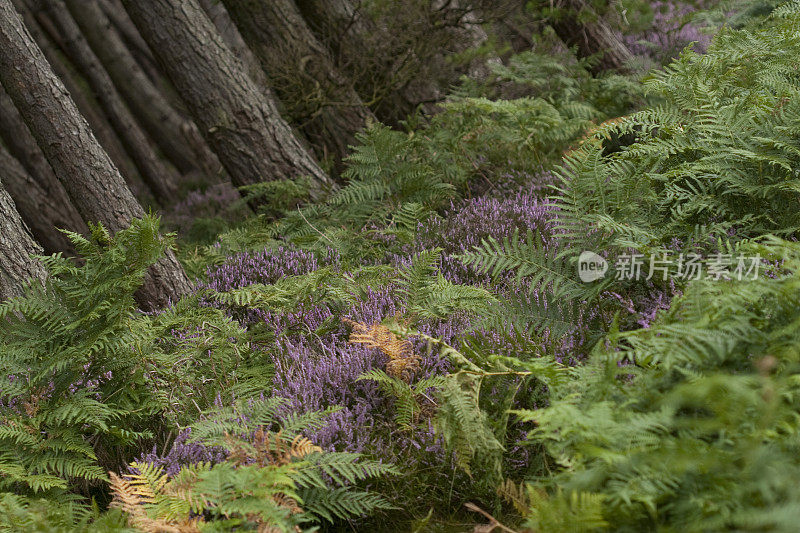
40 198
87 106
91 180
230 35
233 38
161 179
115 11
177 136
16 247
319 98
243 127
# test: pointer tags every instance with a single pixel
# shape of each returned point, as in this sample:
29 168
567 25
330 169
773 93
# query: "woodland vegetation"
318 265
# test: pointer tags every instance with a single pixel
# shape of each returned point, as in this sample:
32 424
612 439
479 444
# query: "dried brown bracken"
134 494
403 362
270 448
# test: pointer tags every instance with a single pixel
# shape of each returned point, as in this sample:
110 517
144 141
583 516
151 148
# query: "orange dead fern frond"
132 496
270 448
267 448
403 362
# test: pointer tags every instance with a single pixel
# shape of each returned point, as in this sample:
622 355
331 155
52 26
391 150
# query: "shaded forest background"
297 265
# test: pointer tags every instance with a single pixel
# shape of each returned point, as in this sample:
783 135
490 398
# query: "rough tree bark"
16 247
243 127
321 100
93 183
593 36
233 38
177 136
40 198
42 212
87 106
134 42
161 179
345 15
230 34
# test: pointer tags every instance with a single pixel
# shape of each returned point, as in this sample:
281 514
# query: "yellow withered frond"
403 362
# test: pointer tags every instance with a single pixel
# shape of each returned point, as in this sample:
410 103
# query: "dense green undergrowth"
420 340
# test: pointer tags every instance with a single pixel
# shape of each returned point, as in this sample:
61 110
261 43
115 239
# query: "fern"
465 427
19 514
711 385
410 400
531 260
66 354
427 294
273 479
249 431
714 154
472 425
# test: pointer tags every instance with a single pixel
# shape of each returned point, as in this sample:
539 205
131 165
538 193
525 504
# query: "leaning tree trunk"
243 127
177 136
87 106
40 211
233 38
133 41
593 36
162 180
319 98
16 246
93 183
40 198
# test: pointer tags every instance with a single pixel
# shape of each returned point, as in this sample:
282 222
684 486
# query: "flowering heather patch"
473 221
316 367
182 453
466 225
265 266
317 371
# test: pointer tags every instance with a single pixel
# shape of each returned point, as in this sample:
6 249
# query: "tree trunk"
177 136
87 106
133 41
230 35
593 37
162 180
343 16
91 180
16 247
40 198
320 99
233 38
242 126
